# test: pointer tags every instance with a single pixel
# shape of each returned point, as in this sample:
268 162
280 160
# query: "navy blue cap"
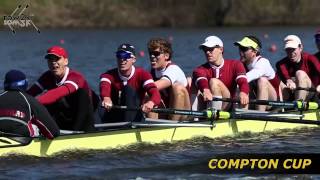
15 80
127 48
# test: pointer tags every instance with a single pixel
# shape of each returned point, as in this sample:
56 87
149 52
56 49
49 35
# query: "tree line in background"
167 13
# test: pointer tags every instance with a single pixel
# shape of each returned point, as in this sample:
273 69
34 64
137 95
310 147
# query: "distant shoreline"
166 13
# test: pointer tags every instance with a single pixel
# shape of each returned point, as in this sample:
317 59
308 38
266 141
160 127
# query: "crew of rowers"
62 99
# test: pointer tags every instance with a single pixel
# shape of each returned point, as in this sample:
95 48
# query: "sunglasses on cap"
154 54
123 55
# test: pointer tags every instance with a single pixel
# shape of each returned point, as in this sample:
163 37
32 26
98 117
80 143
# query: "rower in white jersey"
169 78
264 82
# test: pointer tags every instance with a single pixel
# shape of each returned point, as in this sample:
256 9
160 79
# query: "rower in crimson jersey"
219 77
298 69
67 95
127 85
21 113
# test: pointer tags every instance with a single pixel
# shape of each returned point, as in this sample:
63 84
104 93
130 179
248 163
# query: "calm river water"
92 52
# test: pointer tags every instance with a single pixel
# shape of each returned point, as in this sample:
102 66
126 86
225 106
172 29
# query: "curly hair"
163 44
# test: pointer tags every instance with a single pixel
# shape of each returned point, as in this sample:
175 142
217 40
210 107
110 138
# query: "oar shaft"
307 89
180 112
285 104
168 111
259 102
273 119
227 115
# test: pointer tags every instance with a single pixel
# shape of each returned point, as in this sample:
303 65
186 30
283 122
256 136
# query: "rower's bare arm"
163 83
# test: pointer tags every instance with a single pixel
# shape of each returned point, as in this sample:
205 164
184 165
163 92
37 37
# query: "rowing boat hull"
120 138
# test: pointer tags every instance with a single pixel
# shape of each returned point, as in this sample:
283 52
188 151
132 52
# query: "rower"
126 85
67 94
298 69
262 78
169 78
20 113
219 77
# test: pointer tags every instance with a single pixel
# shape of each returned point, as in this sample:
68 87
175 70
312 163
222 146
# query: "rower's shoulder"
309 57
203 66
76 73
110 71
282 61
232 61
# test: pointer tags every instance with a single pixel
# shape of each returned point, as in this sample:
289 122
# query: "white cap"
212 41
292 41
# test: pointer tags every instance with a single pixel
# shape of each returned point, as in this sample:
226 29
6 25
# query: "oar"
227 115
165 111
217 114
149 123
301 105
312 89
171 125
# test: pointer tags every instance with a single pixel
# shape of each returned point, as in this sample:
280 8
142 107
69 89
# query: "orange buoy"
141 53
273 48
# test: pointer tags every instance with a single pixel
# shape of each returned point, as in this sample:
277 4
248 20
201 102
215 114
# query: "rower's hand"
318 88
207 95
290 84
244 98
107 103
147 107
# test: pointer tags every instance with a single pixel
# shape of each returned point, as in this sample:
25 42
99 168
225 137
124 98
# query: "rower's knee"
262 82
178 90
214 82
301 74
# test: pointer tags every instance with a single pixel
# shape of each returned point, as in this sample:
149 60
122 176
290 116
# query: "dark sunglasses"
52 57
206 49
154 54
243 49
317 38
123 55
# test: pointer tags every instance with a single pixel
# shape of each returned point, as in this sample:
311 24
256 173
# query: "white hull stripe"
148 82
241 76
73 83
105 80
